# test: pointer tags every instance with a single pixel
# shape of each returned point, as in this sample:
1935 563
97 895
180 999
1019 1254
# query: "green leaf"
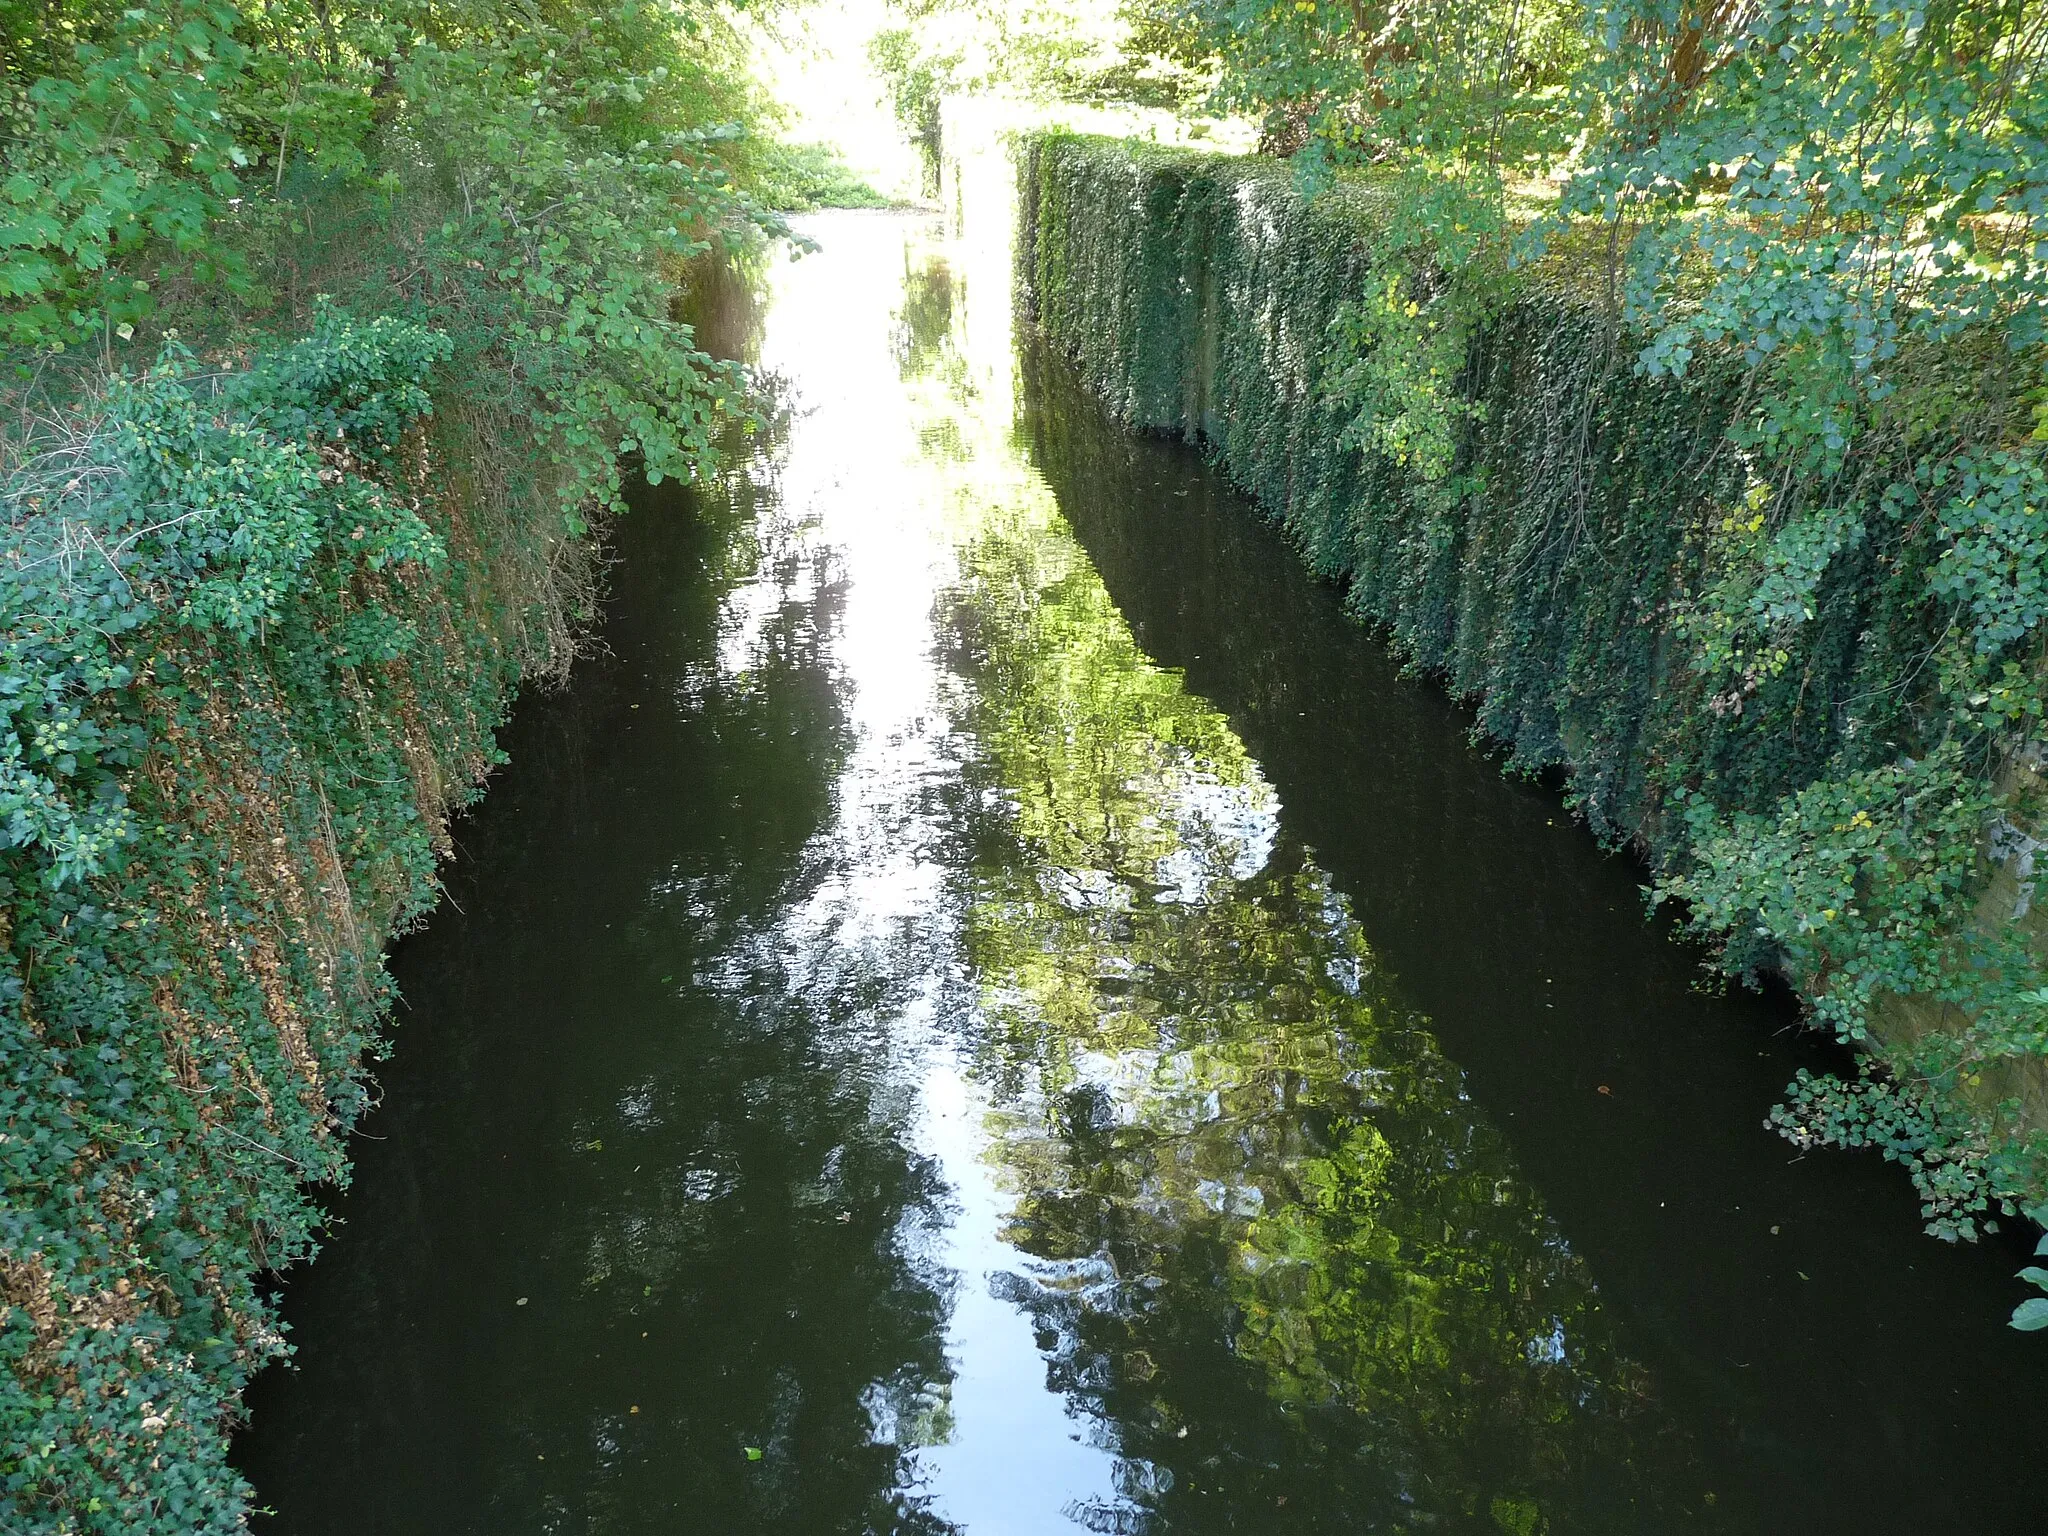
2033 1274
754 1451
2031 1315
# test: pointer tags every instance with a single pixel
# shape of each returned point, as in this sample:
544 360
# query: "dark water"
990 1007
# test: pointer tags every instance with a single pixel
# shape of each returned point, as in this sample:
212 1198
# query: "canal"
988 1005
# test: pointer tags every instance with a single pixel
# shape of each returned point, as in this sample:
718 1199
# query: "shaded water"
990 1007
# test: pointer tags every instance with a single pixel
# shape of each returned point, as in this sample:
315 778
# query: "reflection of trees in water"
924 320
1284 1264
719 298
651 1097
779 1222
775 1215
928 360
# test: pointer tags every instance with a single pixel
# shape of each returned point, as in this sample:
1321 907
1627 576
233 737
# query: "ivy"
161 566
1995 524
1851 885
2031 1315
1943 1150
1804 683
332 334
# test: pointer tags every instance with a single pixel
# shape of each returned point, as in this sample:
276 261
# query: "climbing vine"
329 335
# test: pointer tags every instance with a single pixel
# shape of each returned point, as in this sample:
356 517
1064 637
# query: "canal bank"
1755 675
989 1006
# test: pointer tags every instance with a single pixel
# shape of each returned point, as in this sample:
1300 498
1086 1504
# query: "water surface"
989 1007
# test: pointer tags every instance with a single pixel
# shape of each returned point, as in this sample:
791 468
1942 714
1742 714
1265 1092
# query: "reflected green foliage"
1271 1230
1770 271
716 952
924 321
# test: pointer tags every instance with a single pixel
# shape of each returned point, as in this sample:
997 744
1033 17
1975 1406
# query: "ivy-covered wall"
259 626
1577 550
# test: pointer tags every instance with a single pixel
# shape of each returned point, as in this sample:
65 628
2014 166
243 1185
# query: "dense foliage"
1809 698
328 331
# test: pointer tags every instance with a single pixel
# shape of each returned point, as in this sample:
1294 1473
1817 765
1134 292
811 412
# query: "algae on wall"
1556 571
